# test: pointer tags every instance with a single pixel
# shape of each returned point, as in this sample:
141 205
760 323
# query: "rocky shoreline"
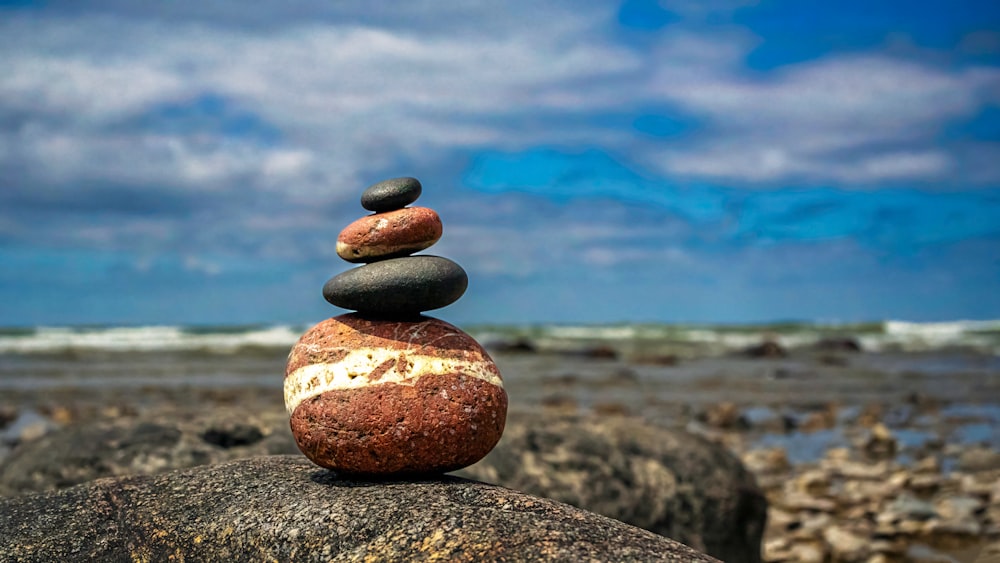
854 504
855 464
284 508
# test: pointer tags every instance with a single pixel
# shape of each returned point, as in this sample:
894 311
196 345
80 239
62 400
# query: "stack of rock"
385 390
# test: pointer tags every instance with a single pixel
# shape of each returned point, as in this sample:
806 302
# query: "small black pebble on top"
392 194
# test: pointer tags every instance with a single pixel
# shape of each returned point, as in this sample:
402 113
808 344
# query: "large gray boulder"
669 482
284 508
152 444
674 483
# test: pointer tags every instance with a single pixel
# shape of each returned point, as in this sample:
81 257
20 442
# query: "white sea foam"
147 339
982 336
596 332
909 336
942 330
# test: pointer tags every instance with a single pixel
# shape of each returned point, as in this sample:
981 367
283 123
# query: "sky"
717 161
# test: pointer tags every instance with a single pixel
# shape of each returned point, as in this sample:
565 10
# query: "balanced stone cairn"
386 391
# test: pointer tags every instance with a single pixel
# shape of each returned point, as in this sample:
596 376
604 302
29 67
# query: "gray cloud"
351 92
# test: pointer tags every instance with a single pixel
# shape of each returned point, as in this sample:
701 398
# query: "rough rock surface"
661 470
673 483
382 397
154 444
284 508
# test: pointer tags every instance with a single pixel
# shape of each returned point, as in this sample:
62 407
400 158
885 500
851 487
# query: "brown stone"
766 349
385 397
845 545
725 415
767 461
822 419
880 442
391 234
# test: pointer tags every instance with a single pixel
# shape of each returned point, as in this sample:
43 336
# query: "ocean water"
637 366
981 337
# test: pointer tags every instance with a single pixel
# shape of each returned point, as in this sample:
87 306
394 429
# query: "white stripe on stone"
353 370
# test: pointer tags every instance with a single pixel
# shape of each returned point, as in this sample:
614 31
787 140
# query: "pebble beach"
869 446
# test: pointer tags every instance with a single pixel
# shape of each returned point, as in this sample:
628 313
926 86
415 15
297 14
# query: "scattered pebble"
29 426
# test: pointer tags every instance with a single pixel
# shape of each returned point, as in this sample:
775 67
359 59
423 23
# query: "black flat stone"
392 194
398 287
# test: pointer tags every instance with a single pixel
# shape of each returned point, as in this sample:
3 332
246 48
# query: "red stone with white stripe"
382 397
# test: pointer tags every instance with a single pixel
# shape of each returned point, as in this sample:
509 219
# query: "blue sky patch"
209 114
793 31
644 14
588 173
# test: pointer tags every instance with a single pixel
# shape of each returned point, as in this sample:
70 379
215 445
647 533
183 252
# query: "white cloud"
850 119
346 97
350 97
351 92
92 89
904 165
633 256
201 265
